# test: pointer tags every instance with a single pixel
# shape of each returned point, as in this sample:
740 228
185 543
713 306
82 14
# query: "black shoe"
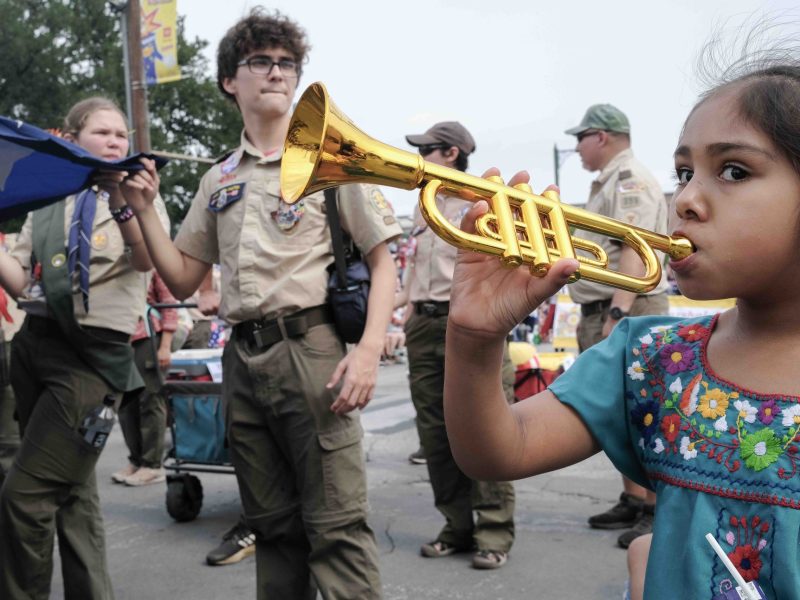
237 544
417 458
643 526
623 514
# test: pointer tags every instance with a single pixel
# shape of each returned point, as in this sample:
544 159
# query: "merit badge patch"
224 197
100 240
230 163
378 201
288 215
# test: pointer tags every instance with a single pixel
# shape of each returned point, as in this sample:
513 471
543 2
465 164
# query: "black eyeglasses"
427 149
262 65
586 134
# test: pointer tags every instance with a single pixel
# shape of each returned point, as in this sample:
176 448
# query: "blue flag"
38 168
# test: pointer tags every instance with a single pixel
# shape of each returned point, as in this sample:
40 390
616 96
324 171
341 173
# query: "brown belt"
263 333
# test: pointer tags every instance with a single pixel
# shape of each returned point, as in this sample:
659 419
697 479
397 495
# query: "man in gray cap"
624 190
491 533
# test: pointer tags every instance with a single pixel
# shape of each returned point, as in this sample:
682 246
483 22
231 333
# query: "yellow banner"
160 41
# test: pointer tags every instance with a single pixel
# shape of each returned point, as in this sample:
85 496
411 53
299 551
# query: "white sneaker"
121 475
146 476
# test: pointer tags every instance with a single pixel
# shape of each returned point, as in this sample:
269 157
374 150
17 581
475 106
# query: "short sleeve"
367 216
636 202
197 236
595 388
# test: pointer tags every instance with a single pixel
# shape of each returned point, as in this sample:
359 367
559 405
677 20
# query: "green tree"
56 52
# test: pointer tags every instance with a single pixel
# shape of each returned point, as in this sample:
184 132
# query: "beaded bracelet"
121 214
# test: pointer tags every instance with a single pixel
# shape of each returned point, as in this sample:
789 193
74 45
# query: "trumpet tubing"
325 149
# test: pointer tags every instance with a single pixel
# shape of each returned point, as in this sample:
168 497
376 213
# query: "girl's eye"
733 173
683 175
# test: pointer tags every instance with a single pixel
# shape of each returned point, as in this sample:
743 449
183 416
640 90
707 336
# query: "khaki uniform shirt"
116 290
435 259
272 255
625 191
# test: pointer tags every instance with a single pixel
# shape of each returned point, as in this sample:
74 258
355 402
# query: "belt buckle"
429 309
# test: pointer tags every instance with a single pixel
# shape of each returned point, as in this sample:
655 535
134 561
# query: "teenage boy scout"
625 190
431 277
290 389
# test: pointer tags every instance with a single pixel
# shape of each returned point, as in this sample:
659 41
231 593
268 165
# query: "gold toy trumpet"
325 149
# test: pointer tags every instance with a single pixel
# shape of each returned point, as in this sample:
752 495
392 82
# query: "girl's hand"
488 299
109 181
141 188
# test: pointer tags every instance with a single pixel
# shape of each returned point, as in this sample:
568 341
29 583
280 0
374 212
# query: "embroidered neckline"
712 374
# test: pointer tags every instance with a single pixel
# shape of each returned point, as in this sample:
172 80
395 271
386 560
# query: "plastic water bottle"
97 425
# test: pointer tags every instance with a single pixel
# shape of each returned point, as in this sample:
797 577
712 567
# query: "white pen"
743 585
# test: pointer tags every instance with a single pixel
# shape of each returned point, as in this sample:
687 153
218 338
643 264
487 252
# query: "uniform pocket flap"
340 438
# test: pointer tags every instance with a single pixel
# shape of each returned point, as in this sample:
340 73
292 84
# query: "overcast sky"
516 73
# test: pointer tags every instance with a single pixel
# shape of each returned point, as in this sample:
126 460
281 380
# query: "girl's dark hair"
766 74
256 31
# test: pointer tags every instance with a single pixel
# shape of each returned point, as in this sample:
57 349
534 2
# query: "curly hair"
260 29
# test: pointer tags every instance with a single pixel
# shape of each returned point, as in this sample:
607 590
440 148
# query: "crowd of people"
698 413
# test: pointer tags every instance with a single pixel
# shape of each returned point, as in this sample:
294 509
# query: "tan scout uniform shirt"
626 191
273 255
435 259
117 291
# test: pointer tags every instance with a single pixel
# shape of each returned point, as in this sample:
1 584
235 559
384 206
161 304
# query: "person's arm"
182 273
208 298
491 439
12 276
630 263
360 367
109 181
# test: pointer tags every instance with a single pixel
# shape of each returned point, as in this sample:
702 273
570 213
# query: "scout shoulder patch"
630 187
230 163
225 196
379 201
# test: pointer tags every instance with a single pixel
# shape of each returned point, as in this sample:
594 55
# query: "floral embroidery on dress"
680 409
747 543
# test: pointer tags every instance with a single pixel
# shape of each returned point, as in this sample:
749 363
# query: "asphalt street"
556 555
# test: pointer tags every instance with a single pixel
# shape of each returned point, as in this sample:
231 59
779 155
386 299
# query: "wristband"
121 214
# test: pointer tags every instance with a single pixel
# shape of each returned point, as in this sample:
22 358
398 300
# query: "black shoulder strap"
336 235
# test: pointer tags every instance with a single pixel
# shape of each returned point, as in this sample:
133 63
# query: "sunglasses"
586 134
427 149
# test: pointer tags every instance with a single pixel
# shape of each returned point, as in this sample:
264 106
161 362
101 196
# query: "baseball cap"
602 116
446 132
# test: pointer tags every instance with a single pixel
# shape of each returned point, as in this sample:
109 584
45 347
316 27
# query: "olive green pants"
456 496
143 414
51 487
300 469
590 328
9 428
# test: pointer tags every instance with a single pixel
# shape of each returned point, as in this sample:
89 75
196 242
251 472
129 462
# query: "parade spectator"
490 531
143 414
703 410
624 190
78 270
289 386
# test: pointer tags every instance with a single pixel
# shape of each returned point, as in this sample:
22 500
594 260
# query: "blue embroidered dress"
722 459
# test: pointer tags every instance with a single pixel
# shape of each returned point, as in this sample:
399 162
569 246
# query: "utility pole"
136 85
557 160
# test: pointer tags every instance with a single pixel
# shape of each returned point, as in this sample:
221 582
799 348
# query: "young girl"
76 270
705 411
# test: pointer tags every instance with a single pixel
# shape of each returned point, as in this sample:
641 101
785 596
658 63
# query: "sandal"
437 549
489 559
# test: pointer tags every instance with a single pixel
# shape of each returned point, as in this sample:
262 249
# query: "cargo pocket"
343 470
